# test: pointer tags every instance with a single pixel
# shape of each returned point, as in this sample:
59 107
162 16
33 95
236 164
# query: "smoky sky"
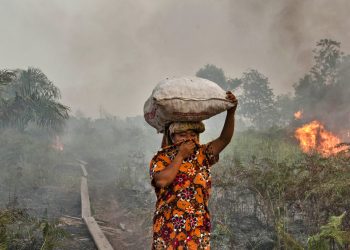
109 55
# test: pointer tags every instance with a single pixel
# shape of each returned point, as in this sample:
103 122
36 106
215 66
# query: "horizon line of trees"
28 97
323 93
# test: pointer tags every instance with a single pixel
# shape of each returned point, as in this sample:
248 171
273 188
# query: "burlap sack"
184 99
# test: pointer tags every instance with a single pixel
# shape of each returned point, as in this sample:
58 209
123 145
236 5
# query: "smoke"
300 24
112 53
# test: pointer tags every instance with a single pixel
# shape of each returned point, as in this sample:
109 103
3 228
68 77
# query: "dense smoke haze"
110 54
88 157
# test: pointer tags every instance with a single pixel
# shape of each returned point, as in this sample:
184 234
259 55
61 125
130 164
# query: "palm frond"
32 97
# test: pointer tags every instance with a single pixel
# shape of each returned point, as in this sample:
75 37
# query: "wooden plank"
96 233
71 217
84 170
80 219
82 162
85 200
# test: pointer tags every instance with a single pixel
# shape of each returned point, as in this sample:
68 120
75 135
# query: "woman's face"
186 135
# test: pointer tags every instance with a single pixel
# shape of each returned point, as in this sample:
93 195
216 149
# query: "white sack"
184 99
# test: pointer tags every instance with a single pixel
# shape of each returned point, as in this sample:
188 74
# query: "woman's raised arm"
217 145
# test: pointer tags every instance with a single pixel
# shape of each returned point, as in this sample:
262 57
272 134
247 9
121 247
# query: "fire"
57 144
314 137
298 115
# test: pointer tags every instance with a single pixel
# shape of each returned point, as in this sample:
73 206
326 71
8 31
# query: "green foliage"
256 103
213 73
280 180
285 181
28 164
323 93
6 76
8 217
32 98
26 161
18 230
217 75
330 232
52 235
327 57
289 242
285 107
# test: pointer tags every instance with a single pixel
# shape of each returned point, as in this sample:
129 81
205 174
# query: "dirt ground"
129 224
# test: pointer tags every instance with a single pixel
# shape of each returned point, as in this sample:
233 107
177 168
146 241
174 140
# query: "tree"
327 57
257 100
213 73
323 93
6 76
312 89
233 83
217 75
31 98
285 107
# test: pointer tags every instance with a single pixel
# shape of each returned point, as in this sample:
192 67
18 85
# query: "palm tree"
30 97
6 76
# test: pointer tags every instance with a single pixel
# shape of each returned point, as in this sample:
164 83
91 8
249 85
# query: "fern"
330 231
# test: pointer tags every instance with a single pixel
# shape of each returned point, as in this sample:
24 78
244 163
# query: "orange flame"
298 115
314 137
57 144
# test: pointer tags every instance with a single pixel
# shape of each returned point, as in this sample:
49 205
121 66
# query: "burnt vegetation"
267 192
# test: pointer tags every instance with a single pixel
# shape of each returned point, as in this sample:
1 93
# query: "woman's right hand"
186 149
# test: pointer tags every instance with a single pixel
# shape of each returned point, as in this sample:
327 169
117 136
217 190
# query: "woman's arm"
167 176
225 137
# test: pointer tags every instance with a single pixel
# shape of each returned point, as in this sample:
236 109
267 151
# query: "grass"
18 230
284 183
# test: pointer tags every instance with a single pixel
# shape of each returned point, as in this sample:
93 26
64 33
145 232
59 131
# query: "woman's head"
185 135
180 131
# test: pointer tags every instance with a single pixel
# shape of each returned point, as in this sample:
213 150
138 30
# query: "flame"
314 137
298 115
57 144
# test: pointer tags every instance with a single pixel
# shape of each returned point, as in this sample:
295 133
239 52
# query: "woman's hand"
232 98
167 176
225 137
186 149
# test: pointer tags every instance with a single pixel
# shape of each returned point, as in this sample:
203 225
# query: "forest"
282 183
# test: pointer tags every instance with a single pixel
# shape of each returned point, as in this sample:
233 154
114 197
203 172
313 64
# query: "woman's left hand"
232 98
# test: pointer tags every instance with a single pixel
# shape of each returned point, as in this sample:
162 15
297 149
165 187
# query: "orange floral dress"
181 219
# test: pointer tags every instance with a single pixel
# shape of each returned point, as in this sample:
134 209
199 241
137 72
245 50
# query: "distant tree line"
323 93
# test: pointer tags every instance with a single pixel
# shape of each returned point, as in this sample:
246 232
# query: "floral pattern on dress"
182 219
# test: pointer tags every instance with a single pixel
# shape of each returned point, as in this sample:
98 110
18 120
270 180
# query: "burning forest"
282 182
284 175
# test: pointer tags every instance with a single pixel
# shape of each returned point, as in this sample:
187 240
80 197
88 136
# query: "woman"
180 173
